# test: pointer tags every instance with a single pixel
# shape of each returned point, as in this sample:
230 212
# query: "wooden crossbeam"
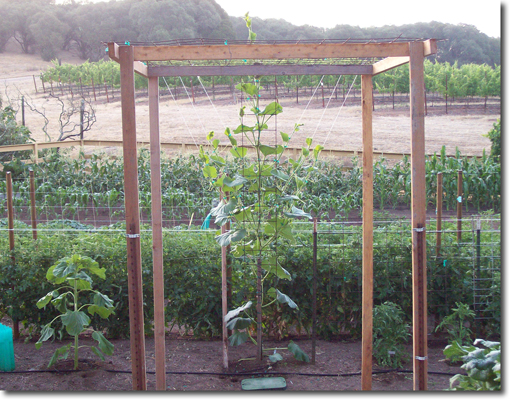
255 69
271 51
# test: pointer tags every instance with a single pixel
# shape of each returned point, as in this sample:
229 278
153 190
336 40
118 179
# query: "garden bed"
203 360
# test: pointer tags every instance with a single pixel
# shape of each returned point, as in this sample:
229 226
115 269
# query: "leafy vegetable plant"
390 333
458 323
483 365
74 272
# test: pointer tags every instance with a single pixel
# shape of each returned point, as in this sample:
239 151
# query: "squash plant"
260 198
73 273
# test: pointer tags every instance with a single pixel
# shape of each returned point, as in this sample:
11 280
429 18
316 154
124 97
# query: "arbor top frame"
369 57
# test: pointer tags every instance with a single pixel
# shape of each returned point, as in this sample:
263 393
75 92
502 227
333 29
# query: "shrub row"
193 279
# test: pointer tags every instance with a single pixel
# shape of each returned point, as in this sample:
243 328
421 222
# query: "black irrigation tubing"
234 373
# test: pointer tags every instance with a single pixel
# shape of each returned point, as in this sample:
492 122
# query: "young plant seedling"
75 273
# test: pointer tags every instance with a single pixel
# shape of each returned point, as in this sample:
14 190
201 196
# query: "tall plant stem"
259 309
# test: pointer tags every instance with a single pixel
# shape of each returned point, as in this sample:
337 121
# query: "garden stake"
10 225
33 204
314 289
259 308
459 204
439 194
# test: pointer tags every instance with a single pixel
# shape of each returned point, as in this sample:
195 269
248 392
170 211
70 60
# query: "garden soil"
196 365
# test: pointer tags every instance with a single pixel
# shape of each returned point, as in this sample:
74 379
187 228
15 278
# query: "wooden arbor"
365 58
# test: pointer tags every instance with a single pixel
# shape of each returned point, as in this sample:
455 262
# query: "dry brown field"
335 127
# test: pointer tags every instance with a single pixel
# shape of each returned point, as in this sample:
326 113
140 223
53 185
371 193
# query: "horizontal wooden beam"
139 67
255 69
191 147
271 51
392 62
388 63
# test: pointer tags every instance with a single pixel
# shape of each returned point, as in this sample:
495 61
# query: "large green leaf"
239 323
272 265
60 353
230 236
243 128
102 311
295 212
281 297
280 174
62 269
47 332
105 345
75 322
238 338
239 152
248 88
270 150
276 357
47 298
234 312
298 353
235 182
224 208
210 172
272 109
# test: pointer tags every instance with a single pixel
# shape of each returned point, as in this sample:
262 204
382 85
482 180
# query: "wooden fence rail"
183 147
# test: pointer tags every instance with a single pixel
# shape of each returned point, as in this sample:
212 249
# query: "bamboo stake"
35 86
33 217
131 185
439 194
367 242
156 225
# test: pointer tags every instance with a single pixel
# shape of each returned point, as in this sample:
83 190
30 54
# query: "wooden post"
82 108
224 295
131 186
33 218
439 206
314 290
459 204
94 89
367 247
35 86
159 319
23 110
192 92
418 216
106 91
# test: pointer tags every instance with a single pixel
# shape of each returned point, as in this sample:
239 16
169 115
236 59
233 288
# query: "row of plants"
467 80
193 278
75 183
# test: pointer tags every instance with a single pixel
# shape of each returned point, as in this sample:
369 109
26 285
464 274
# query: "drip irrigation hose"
232 373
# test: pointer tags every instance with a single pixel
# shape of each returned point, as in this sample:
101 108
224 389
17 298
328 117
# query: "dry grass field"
335 127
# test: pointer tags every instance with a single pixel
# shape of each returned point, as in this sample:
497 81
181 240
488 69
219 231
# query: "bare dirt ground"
196 365
335 127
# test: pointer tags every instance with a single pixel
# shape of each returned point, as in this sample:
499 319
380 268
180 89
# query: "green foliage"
12 134
192 277
390 333
75 274
259 198
495 136
483 366
458 323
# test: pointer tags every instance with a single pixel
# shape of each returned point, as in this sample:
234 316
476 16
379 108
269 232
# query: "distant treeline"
41 26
